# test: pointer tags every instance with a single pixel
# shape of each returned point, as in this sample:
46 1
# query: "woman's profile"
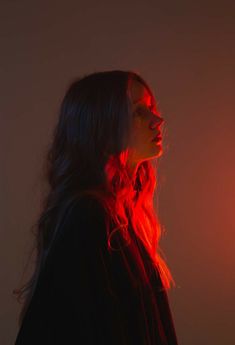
99 277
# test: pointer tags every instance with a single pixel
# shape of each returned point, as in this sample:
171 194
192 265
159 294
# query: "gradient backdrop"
185 50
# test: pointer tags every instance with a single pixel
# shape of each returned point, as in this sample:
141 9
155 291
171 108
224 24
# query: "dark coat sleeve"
84 295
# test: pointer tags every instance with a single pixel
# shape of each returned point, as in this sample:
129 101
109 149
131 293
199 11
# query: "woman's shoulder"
85 211
88 203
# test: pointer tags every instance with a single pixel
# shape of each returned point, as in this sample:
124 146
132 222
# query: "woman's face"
146 126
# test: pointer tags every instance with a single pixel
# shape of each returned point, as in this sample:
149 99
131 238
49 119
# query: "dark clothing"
88 296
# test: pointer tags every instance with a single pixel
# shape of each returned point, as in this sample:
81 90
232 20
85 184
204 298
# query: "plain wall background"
185 50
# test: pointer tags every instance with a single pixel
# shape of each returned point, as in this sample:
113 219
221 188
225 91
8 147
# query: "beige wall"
185 50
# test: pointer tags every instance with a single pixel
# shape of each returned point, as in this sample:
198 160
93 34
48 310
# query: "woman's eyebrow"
141 99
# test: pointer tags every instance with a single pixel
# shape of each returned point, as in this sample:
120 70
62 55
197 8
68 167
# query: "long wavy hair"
88 156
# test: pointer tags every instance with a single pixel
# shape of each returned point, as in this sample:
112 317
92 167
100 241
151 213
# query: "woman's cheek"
138 123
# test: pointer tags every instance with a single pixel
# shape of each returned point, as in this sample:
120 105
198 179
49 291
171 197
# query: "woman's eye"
143 110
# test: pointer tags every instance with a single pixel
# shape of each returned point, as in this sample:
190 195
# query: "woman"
99 277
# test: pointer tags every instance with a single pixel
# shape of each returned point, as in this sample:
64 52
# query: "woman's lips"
157 138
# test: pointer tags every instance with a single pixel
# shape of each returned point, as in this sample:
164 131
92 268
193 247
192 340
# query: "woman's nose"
157 121
161 120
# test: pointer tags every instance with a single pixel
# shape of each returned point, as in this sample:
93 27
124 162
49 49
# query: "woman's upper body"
81 292
87 295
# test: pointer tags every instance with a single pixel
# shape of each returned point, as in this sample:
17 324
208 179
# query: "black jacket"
87 296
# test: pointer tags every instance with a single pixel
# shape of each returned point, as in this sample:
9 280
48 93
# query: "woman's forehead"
139 93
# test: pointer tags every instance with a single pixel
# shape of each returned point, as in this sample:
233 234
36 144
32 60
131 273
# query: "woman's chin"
158 149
